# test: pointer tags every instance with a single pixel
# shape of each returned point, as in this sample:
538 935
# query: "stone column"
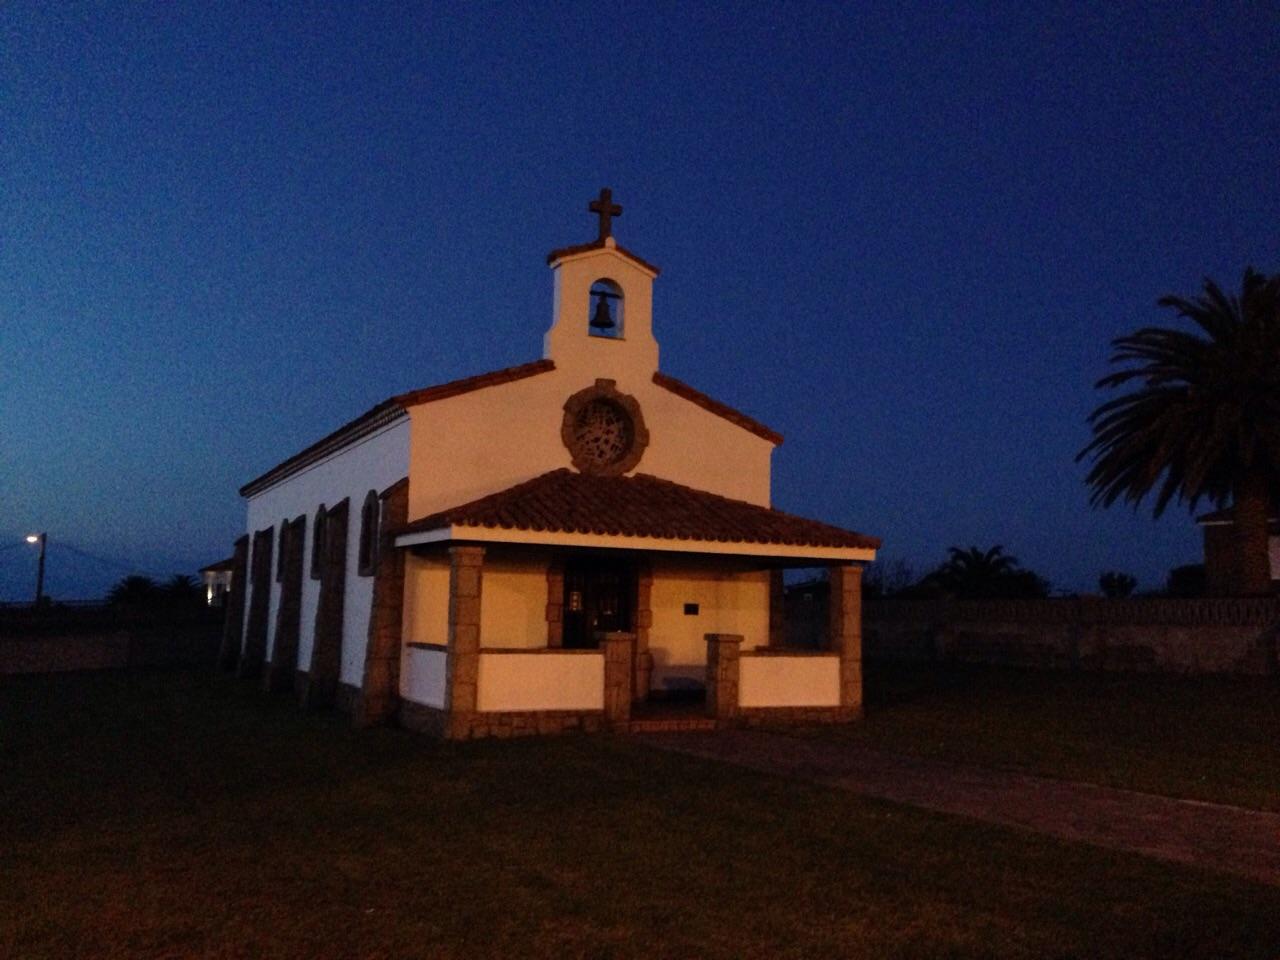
723 651
555 603
844 626
233 625
617 648
777 609
643 624
380 687
466 569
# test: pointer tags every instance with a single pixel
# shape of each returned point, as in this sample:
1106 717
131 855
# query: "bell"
602 319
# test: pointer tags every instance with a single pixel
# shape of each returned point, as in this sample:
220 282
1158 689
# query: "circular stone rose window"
603 430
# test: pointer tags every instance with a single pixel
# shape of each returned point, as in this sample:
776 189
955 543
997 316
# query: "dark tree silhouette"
887 578
1115 584
1203 419
134 591
1186 581
183 590
975 574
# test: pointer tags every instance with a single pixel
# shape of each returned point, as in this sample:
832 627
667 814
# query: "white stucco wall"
373 463
569 680
781 681
513 603
422 676
729 601
496 437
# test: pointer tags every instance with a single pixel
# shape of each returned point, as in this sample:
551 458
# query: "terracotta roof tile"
682 389
639 506
455 387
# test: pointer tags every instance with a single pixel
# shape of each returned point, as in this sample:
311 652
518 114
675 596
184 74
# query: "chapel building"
553 546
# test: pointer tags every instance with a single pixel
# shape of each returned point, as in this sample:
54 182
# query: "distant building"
1220 552
537 548
217 581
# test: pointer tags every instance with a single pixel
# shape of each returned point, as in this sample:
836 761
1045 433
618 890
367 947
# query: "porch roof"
565 508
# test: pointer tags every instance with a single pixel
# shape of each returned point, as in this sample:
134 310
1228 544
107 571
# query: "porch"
560 603
492 647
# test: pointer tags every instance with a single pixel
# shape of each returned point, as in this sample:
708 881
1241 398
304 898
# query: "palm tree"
977 574
134 590
1204 419
181 590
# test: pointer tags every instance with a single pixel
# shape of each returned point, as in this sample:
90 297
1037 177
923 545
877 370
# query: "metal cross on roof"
606 210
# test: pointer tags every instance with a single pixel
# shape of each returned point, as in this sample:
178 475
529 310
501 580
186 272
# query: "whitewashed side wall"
729 601
781 681
374 463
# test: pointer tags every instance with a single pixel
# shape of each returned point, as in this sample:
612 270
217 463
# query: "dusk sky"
901 235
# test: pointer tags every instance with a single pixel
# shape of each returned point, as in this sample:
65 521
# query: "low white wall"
782 681
422 676
730 599
558 680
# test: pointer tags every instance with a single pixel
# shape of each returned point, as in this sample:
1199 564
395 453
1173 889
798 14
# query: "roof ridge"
389 409
576 248
719 408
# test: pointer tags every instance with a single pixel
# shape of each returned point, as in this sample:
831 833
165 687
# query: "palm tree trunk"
1252 524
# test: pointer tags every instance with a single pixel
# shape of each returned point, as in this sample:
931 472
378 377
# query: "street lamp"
42 539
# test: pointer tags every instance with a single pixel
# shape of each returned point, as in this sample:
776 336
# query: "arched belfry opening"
605 309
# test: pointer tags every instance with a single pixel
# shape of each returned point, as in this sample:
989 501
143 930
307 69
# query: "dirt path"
1227 839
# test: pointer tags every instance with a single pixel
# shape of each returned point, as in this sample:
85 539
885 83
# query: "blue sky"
901 235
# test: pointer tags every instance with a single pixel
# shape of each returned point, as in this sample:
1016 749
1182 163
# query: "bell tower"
602 311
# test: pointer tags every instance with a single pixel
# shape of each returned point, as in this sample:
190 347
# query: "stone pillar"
320 686
844 626
618 670
555 603
255 635
723 651
643 624
278 673
466 569
233 625
777 609
380 687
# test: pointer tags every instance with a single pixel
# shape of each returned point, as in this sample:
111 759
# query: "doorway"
599 597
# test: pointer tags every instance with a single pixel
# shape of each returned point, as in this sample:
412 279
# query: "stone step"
670 724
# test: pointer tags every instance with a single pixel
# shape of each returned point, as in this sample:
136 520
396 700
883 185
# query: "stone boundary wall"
1198 636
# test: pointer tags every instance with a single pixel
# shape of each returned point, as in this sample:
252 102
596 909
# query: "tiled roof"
639 506
682 389
563 252
492 379
220 566
385 413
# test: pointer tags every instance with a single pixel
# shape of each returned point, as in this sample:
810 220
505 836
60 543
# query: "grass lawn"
1202 738
176 815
